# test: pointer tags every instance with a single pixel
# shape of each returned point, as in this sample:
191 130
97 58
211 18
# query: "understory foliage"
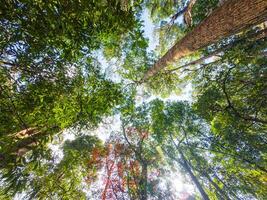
56 98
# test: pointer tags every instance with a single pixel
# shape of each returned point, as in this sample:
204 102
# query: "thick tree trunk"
232 17
256 36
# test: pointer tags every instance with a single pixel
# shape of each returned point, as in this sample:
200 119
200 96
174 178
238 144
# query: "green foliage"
165 84
135 58
42 61
66 26
202 9
231 93
164 9
230 96
48 79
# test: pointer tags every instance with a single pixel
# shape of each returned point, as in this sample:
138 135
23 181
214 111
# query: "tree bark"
256 36
232 17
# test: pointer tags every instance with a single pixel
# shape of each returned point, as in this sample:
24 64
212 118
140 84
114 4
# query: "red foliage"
122 170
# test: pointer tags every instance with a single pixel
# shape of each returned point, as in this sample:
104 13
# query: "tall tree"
228 19
49 78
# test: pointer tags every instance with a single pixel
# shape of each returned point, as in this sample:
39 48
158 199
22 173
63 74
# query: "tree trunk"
256 36
222 193
228 188
186 165
206 175
143 183
232 17
187 168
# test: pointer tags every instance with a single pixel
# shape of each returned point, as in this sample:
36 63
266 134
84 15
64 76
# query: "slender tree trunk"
232 17
186 165
222 193
229 189
206 175
187 168
143 182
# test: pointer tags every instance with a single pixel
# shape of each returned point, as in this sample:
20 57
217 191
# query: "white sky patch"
149 30
56 145
109 125
20 196
108 67
182 186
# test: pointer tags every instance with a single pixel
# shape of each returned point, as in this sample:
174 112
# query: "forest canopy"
133 99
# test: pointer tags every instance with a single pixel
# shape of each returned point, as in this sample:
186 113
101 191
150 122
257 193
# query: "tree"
51 107
186 139
49 79
130 165
59 178
241 14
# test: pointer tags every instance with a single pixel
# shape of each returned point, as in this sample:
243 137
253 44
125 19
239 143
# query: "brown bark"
232 17
256 36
